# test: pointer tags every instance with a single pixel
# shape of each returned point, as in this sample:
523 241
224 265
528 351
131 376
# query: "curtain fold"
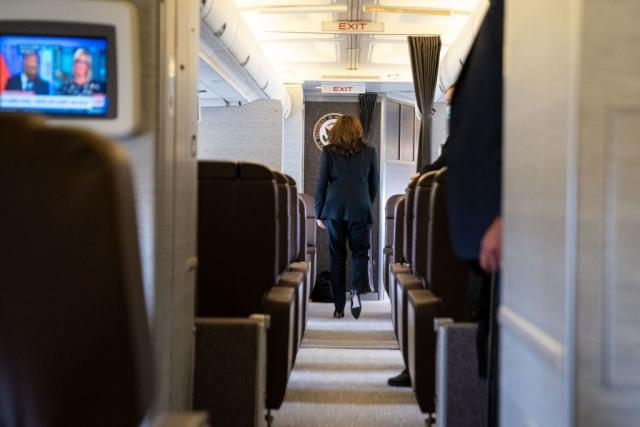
425 57
367 107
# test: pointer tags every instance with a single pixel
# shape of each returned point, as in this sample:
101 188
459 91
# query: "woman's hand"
321 224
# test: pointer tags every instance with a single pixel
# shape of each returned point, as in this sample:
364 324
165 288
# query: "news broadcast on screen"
54 75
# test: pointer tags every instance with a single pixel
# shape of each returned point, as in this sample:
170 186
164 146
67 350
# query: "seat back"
302 230
398 231
409 200
310 220
294 237
447 275
74 339
421 225
390 215
283 221
229 225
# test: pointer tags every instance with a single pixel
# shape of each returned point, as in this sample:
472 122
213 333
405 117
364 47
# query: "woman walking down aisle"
347 187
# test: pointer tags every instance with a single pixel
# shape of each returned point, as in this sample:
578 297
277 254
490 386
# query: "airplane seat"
447 279
74 337
287 278
389 209
232 285
311 231
302 253
406 282
295 263
398 245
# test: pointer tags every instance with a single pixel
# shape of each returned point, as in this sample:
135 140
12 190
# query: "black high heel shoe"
356 304
338 314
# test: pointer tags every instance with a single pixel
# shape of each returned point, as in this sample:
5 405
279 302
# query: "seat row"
74 336
253 259
427 283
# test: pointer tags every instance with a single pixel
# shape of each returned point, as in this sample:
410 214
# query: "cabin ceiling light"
374 8
330 8
348 77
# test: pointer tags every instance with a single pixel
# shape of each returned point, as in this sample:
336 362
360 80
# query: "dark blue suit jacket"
474 151
40 87
347 185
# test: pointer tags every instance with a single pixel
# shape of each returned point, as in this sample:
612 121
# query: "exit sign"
353 27
343 89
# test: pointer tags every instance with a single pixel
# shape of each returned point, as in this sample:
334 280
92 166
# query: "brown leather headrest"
280 177
290 180
309 203
390 207
217 169
441 177
249 170
427 179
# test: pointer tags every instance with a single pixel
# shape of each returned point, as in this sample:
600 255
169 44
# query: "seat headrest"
309 203
217 169
280 177
390 207
249 170
427 179
412 183
441 177
290 180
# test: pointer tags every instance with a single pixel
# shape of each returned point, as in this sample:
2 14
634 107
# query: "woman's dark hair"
346 136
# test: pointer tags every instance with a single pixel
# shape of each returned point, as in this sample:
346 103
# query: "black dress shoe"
338 314
356 304
401 380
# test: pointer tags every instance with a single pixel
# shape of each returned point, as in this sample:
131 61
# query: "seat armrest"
279 304
297 281
399 268
230 369
423 308
183 419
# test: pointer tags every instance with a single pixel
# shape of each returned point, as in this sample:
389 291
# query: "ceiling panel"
388 53
294 42
310 51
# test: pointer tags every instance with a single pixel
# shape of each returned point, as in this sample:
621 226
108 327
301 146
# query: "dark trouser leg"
337 248
494 362
359 235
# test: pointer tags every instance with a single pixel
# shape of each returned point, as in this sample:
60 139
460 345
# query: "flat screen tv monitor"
75 62
56 74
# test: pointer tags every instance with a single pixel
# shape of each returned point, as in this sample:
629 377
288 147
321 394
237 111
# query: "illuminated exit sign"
353 27
344 89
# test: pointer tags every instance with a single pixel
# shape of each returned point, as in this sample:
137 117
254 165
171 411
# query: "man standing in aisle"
474 160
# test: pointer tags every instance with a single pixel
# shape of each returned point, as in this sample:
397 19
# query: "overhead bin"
228 46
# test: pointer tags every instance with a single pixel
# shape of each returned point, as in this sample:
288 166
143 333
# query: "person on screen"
28 80
82 83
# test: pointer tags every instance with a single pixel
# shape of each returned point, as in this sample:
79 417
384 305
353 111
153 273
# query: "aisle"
340 376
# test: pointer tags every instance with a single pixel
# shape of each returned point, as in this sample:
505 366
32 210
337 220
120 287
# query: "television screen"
54 75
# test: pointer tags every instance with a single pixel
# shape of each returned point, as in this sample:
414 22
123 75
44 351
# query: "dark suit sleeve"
374 177
323 183
14 83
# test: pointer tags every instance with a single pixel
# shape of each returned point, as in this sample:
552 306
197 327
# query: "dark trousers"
484 298
357 234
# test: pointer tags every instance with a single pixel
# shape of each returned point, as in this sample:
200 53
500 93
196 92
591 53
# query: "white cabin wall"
539 213
293 148
252 132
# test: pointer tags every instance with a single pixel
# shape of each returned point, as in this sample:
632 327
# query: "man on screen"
28 80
